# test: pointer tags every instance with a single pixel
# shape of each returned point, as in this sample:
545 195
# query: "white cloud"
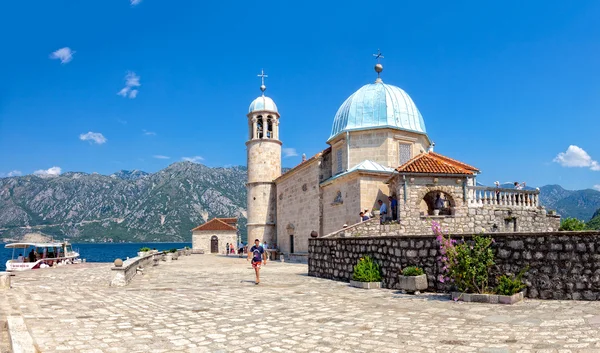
50 171
12 173
149 133
195 159
158 156
597 187
131 80
93 137
135 2
289 152
576 157
63 54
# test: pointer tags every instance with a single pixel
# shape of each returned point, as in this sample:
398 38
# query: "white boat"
32 256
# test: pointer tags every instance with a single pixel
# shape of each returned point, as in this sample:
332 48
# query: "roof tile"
216 224
434 163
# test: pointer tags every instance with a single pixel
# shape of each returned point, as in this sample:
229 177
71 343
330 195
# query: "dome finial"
378 66
262 80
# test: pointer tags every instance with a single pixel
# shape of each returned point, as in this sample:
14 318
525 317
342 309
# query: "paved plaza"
207 303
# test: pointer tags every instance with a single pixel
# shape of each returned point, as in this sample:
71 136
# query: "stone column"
253 128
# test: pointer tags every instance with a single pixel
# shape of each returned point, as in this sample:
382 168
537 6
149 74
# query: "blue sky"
505 86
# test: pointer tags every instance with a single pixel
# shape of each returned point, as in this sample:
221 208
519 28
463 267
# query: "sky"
98 86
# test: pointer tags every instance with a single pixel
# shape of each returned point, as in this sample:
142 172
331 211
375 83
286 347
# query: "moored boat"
40 255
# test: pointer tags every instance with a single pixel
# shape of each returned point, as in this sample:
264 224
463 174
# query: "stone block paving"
206 303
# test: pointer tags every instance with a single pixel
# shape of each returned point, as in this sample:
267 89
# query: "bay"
101 252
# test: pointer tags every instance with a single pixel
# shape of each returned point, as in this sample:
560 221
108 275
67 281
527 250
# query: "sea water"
104 252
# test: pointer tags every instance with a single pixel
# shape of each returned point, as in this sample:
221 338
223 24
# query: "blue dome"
378 105
263 103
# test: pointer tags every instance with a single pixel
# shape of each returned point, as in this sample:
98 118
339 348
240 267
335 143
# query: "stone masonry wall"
298 198
201 239
562 265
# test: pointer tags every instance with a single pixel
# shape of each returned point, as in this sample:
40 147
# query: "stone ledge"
487 298
124 274
18 336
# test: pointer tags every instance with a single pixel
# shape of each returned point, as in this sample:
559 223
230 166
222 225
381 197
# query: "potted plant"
187 251
143 251
413 280
154 251
174 253
367 274
466 265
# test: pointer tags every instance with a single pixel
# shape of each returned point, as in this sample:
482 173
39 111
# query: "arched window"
259 127
270 127
437 203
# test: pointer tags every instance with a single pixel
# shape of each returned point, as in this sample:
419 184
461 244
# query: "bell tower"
264 166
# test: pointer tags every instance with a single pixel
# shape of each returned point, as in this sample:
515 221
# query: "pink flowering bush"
465 264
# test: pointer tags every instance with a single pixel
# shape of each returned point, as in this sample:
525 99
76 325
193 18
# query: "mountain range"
162 206
124 206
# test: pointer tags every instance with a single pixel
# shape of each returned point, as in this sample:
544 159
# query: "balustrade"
483 195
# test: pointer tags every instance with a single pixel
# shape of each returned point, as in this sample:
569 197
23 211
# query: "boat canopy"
37 245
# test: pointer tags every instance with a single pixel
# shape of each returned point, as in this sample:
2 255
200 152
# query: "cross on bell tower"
262 81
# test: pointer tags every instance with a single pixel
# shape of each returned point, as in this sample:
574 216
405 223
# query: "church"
378 147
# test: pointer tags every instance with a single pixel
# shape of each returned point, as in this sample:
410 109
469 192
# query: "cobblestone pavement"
205 303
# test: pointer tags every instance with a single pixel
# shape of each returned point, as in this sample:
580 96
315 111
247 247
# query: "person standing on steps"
258 255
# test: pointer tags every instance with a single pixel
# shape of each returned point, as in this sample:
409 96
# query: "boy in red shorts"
258 255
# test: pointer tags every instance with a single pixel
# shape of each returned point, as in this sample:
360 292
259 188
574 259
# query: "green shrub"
509 285
412 271
366 270
173 250
144 249
572 224
469 264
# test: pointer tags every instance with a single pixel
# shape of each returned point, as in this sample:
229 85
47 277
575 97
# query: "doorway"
291 243
214 245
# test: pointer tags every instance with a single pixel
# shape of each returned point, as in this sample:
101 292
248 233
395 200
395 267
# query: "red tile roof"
434 163
455 162
231 221
217 224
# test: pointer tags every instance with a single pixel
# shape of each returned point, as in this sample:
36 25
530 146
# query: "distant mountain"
129 174
594 223
579 204
125 206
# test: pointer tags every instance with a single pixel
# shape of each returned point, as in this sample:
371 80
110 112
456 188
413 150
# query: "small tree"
572 224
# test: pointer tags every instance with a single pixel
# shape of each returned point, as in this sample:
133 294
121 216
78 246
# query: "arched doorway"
214 244
429 204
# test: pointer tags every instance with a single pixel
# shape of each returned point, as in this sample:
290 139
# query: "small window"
404 153
339 161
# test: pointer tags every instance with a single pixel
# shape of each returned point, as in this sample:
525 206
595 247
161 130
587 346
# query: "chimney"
303 157
430 149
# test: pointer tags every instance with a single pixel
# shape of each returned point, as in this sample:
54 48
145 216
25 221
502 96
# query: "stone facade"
463 212
378 145
298 211
562 265
201 239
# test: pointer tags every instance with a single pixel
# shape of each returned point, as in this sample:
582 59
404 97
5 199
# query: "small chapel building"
378 147
213 236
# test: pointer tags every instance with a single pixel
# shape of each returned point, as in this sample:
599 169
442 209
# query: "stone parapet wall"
476 221
562 265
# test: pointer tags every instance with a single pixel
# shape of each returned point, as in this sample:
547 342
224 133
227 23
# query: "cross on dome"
262 80
378 66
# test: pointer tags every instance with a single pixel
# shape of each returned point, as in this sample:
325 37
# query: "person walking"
231 249
258 255
227 249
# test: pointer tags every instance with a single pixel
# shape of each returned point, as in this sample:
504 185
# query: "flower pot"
436 212
376 214
413 284
365 285
169 257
